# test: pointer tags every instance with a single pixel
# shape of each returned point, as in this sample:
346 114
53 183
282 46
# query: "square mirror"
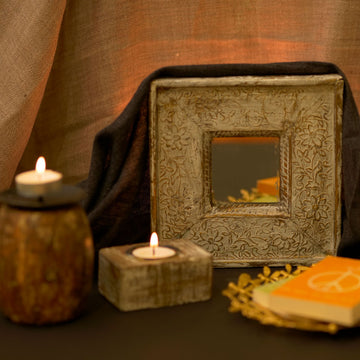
248 167
245 169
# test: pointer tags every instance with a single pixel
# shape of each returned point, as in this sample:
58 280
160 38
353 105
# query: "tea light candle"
38 182
154 251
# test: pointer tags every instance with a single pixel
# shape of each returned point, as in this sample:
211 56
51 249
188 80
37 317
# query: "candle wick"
40 176
153 250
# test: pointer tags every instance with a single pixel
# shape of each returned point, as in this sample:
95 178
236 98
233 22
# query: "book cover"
329 291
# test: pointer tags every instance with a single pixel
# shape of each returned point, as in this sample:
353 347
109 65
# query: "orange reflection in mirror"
246 140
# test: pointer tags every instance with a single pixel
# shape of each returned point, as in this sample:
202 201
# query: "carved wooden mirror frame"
305 112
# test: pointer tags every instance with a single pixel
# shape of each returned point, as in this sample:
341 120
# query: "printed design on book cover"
336 281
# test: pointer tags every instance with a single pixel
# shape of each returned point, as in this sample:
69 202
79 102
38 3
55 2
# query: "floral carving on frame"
304 112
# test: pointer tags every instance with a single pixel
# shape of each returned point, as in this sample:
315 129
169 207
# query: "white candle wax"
148 253
154 251
39 181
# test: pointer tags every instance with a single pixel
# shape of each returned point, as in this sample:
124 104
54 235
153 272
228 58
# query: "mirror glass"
245 169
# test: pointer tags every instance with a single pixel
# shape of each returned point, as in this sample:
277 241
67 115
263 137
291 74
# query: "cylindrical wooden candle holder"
46 258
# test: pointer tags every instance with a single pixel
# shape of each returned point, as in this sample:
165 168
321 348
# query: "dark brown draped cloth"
118 186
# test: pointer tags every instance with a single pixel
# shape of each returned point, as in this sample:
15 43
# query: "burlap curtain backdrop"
68 68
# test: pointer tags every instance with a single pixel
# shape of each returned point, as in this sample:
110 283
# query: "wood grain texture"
130 283
46 264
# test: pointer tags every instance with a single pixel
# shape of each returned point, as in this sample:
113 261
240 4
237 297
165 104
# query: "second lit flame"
40 165
154 242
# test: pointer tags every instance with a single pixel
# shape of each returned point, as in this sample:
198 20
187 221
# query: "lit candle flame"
40 165
154 242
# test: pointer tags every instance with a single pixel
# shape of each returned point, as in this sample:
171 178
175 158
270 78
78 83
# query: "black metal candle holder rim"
67 195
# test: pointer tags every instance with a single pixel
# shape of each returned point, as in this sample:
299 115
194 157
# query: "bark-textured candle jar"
46 256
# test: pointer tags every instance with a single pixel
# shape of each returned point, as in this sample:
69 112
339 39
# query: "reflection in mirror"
245 169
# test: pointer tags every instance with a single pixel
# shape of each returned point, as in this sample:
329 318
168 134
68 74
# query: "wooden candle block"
46 256
46 263
131 283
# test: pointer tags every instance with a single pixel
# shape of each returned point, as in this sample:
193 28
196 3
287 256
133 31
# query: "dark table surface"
203 330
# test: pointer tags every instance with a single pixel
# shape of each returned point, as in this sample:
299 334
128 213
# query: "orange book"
329 291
